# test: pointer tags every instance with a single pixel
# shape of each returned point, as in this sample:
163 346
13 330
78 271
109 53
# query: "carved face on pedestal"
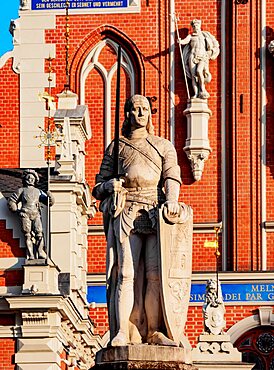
139 113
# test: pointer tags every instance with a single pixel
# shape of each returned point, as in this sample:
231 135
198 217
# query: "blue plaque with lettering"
232 292
77 4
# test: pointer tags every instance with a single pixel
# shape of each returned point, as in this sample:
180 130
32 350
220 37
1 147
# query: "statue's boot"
160 339
42 254
119 340
30 253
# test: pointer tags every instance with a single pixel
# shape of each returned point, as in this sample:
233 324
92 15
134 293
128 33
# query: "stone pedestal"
144 356
197 146
40 277
217 352
38 354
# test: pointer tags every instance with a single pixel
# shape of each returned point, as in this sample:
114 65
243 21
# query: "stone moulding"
197 146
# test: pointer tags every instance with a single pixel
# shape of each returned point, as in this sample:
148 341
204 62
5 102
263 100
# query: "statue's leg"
128 259
38 229
194 79
26 228
152 297
200 73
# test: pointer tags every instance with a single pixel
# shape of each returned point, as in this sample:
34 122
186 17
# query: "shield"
175 261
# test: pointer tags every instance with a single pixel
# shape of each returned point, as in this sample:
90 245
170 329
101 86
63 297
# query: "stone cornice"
53 303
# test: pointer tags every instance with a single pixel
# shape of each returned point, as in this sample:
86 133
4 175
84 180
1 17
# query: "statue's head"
211 285
137 114
196 24
30 177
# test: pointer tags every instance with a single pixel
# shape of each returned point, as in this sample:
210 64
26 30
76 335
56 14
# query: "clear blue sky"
8 11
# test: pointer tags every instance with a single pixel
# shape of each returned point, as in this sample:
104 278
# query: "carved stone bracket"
215 348
197 146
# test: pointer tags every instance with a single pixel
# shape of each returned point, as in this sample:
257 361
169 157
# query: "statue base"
217 352
145 357
40 277
197 146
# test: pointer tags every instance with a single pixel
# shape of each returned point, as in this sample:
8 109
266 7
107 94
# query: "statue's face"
30 179
139 113
196 26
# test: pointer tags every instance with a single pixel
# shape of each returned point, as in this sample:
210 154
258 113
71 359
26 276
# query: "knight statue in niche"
201 47
145 199
26 202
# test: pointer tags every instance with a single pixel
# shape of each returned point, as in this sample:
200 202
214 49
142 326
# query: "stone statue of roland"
152 181
26 202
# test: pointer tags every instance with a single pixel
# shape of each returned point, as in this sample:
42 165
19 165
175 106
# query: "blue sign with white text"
77 4
237 292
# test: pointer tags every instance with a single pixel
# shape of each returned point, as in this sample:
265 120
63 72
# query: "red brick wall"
243 130
99 317
7 351
9 247
270 130
9 116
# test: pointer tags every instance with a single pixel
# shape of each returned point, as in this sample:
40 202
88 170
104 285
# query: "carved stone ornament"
214 308
197 146
271 47
24 4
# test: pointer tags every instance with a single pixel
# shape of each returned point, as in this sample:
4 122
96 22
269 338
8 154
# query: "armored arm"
104 178
171 173
14 199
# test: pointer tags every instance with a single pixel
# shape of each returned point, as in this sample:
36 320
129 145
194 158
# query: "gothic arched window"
257 346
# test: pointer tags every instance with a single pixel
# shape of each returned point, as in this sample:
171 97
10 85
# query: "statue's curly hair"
30 172
126 128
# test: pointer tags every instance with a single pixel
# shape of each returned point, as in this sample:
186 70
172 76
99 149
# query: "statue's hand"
173 208
114 185
51 198
12 206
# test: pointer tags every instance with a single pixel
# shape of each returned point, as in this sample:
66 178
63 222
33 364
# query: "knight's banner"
175 247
